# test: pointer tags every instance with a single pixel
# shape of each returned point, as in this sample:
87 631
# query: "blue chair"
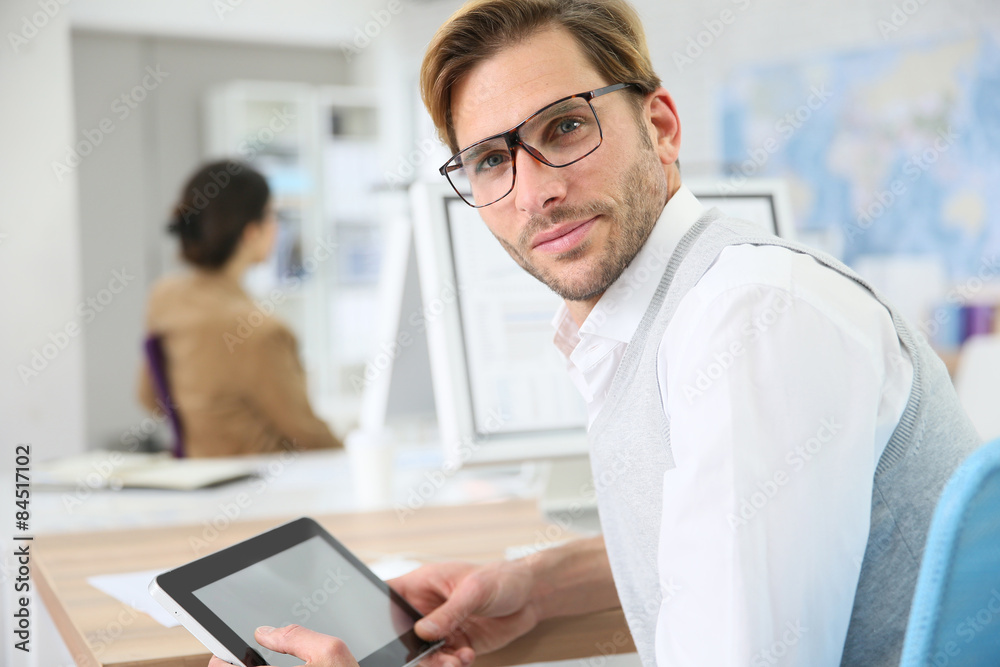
955 616
158 371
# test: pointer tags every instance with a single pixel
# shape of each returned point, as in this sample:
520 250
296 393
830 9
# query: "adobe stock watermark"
280 120
796 458
559 531
434 480
223 7
967 629
772 655
363 35
307 605
202 197
101 640
409 163
704 39
122 107
960 295
915 166
784 128
900 16
390 350
229 511
58 340
650 608
620 640
248 149
621 292
101 475
31 25
723 360
263 308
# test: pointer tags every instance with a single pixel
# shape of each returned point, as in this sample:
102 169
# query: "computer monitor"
765 201
500 387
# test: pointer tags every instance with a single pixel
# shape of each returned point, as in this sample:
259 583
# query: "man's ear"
666 125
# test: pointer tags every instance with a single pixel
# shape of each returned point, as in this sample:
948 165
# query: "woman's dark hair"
216 205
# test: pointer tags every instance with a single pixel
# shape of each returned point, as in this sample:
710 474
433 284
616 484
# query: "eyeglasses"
556 135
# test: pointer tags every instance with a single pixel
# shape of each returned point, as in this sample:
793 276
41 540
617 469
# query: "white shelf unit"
318 148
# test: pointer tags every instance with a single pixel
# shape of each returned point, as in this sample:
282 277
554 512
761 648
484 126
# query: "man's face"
574 228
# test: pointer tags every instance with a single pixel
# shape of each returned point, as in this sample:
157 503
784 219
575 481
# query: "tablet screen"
295 573
342 601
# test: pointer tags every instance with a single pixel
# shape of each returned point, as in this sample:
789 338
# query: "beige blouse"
233 371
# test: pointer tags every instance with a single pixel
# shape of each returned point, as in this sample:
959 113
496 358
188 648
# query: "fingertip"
465 656
427 629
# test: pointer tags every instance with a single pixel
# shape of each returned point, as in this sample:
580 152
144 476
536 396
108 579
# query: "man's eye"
567 125
491 161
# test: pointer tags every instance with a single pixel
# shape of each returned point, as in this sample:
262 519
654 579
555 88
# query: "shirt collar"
619 311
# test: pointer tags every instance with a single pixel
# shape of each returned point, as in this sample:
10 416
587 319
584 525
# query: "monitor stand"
568 495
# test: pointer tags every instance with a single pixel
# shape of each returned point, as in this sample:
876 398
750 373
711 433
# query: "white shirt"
783 381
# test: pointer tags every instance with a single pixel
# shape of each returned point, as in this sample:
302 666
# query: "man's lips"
562 237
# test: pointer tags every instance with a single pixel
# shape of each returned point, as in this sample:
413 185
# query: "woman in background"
233 371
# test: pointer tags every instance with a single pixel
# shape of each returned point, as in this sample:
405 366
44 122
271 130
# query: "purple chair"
158 370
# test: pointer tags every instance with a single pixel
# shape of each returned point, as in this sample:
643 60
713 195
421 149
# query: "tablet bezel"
180 583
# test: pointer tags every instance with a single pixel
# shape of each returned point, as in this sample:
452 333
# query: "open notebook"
115 470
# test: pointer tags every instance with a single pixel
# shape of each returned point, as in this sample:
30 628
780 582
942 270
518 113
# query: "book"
103 469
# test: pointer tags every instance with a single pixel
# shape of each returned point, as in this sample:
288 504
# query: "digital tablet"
295 573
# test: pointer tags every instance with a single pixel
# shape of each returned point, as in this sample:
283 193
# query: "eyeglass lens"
559 134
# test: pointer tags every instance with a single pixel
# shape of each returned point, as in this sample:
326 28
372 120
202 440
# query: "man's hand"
476 609
316 649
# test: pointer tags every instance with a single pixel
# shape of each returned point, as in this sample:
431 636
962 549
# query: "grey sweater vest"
630 443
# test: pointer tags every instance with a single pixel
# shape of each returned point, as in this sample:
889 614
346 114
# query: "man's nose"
537 187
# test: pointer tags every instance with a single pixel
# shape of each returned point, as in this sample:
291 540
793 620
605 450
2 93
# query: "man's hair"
608 31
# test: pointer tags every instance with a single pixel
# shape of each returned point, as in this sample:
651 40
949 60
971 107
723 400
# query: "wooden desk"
102 632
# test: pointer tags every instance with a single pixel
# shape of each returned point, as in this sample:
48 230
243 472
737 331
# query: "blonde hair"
608 31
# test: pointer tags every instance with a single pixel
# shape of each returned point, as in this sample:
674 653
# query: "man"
785 434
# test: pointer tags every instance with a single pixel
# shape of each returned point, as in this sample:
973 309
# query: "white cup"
372 458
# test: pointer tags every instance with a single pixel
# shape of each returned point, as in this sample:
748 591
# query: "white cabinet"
318 148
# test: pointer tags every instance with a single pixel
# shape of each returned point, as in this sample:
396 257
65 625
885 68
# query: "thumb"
465 601
305 644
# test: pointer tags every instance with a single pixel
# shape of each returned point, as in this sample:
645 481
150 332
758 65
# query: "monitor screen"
754 208
517 379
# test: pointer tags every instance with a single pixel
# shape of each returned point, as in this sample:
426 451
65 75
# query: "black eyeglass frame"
512 138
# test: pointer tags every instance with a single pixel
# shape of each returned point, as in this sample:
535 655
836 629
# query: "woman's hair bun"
184 225
216 204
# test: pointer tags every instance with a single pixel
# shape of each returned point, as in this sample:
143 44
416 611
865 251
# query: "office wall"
130 180
41 365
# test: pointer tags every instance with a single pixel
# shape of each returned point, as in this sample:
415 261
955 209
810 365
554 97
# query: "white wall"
321 23
39 239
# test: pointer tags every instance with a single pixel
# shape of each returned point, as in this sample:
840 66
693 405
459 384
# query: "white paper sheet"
132 588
